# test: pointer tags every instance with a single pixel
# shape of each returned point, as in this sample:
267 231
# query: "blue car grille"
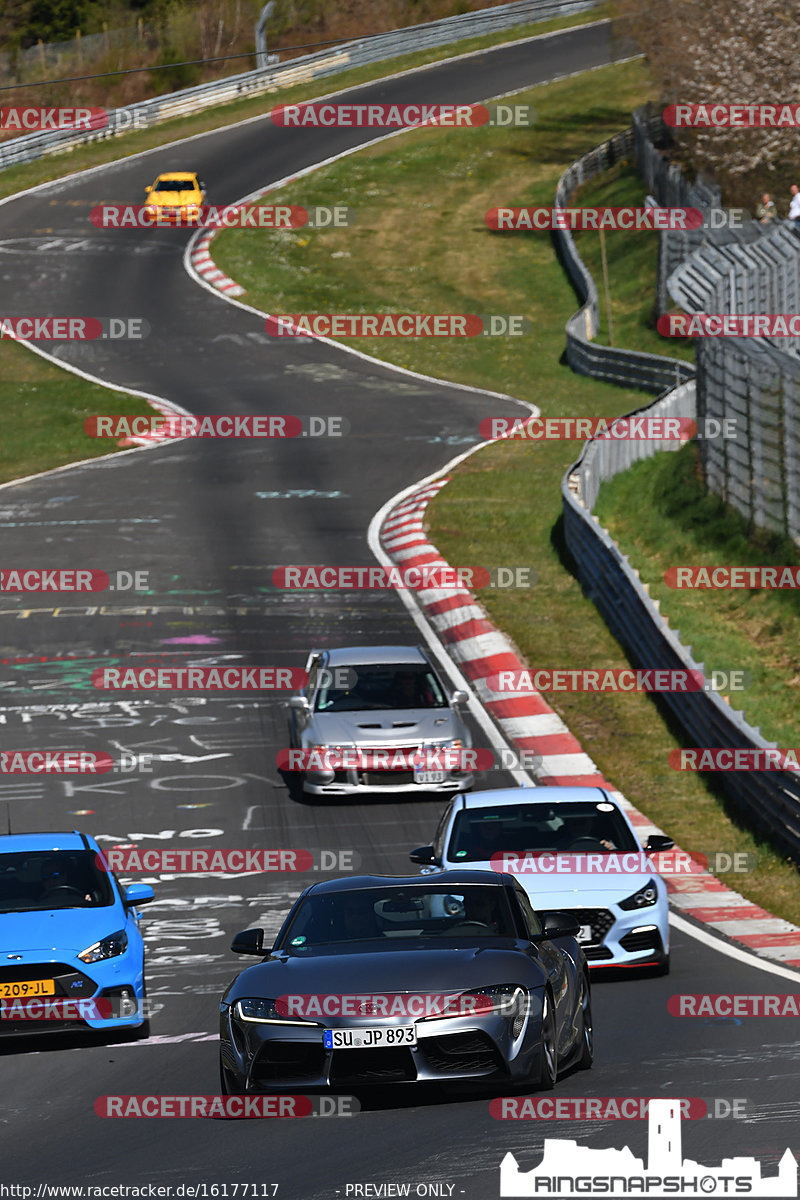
68 981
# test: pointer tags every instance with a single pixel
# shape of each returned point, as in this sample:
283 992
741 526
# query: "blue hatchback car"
68 932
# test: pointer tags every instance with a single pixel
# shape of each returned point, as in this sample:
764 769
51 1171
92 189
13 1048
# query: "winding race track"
209 520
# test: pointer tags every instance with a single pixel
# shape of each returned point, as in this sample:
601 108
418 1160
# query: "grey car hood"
429 967
384 727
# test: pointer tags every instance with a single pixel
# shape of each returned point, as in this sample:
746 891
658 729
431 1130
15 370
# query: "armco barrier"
769 799
298 70
630 368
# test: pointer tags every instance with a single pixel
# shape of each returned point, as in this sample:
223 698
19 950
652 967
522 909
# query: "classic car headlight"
644 898
107 947
264 1011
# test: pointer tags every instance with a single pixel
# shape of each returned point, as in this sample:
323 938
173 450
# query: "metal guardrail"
754 381
630 368
357 53
769 799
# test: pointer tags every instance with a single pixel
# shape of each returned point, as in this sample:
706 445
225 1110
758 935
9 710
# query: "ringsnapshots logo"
567 1169
329 115
399 325
230 216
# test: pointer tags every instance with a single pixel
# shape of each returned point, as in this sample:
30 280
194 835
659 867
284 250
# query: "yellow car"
175 196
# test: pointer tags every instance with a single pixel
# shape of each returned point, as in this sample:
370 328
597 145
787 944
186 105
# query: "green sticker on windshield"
460 853
298 941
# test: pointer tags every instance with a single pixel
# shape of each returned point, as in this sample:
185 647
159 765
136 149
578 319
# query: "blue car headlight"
644 898
107 947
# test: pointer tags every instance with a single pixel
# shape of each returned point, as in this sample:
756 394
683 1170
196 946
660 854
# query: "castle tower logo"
569 1170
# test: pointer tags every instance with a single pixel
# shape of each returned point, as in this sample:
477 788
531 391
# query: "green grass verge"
503 505
661 515
632 264
44 408
26 175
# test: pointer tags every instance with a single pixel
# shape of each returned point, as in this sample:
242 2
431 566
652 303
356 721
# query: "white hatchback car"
573 850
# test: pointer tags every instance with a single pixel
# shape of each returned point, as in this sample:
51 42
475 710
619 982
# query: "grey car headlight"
107 947
264 1011
644 898
506 999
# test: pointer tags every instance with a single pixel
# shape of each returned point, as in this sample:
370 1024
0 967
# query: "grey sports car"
377 718
383 979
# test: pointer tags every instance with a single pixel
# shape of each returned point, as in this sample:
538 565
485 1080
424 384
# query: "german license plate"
428 776
585 933
366 1039
23 989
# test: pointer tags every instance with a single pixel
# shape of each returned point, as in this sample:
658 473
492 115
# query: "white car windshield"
566 828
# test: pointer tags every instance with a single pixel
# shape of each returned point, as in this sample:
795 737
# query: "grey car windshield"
383 687
52 879
393 914
578 828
